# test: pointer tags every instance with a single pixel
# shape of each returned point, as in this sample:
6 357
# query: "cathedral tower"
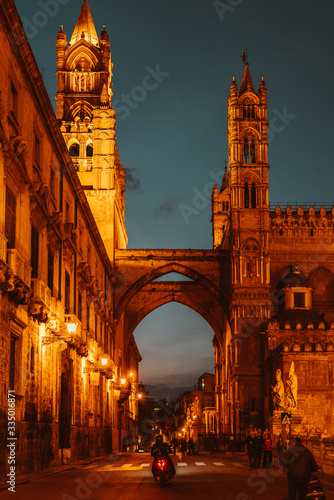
87 118
241 224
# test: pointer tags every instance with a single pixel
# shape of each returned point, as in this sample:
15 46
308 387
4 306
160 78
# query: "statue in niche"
291 389
278 392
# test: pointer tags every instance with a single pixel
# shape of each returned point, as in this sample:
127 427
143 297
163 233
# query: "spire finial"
244 56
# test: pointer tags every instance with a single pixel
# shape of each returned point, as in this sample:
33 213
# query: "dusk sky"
172 138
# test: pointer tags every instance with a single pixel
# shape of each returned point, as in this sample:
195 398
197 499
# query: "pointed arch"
165 269
82 50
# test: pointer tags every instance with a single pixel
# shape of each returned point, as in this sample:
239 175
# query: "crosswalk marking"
132 467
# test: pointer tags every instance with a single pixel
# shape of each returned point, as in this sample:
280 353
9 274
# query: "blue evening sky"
172 138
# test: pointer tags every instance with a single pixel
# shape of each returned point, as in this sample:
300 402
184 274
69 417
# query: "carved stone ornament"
15 287
38 310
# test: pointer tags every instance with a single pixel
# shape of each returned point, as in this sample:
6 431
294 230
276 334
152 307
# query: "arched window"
89 150
246 151
246 195
253 195
74 149
249 151
252 151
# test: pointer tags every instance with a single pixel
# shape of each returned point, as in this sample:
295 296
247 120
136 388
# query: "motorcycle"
315 490
163 469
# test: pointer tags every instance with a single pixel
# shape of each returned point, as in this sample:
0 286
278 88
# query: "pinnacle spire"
84 27
247 83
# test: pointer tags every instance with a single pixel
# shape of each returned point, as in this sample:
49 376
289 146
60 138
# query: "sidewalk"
30 476
327 480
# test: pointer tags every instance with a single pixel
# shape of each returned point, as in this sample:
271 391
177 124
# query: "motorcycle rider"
161 449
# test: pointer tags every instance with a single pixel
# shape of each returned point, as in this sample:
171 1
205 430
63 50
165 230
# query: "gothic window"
252 151
248 112
82 82
89 150
74 149
246 151
253 195
249 151
246 195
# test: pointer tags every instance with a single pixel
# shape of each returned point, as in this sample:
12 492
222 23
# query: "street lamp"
71 327
104 361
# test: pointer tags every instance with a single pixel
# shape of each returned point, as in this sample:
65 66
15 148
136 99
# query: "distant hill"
162 391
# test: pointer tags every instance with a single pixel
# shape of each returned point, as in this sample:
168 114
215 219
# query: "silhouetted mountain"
162 391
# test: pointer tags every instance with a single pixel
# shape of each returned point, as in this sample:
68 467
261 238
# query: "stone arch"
322 280
166 269
133 320
250 244
249 98
79 52
82 109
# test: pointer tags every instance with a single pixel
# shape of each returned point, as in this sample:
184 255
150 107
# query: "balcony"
19 266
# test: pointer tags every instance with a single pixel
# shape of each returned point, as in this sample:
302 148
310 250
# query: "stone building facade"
266 287
56 274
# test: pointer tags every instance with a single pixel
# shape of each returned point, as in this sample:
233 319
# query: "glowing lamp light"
131 374
140 396
71 327
104 361
123 380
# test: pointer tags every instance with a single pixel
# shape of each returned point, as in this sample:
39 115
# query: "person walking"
191 447
267 451
301 464
260 443
251 447
175 444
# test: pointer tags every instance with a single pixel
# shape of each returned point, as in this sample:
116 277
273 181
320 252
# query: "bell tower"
248 225
88 124
249 185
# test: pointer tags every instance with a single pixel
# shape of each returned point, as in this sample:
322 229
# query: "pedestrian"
175 444
191 449
301 464
251 447
267 451
183 445
260 443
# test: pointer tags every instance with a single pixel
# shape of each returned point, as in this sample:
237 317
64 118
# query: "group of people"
259 447
184 445
295 458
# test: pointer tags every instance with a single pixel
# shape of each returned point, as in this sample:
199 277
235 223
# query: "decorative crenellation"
301 221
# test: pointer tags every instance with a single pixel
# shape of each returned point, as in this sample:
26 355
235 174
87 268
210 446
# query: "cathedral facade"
72 294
